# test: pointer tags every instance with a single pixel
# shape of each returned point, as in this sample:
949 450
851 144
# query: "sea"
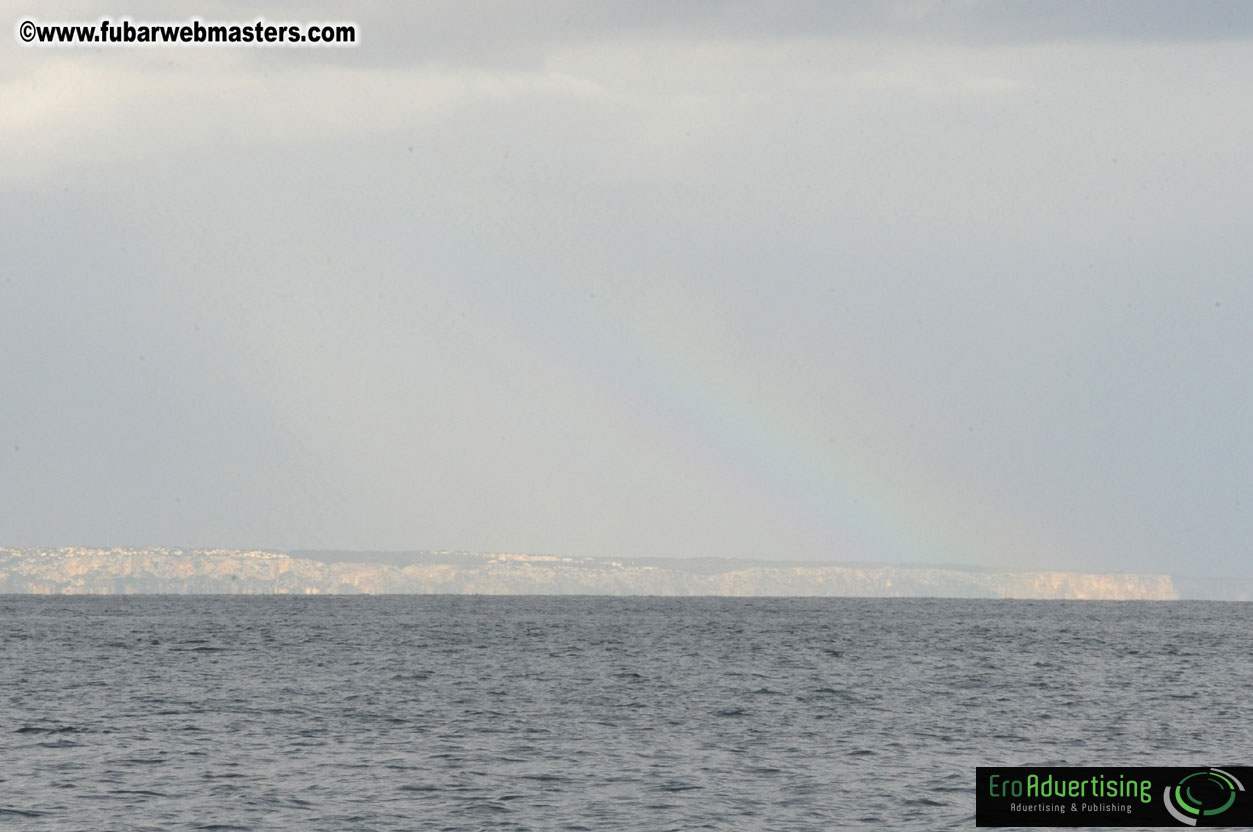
590 713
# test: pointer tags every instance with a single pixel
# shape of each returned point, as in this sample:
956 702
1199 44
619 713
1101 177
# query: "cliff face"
216 571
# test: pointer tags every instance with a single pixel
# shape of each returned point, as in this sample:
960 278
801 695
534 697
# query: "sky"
907 282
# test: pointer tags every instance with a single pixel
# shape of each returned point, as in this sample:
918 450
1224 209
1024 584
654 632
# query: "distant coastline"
224 571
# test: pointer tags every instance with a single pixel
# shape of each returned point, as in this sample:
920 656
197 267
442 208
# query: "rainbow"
854 504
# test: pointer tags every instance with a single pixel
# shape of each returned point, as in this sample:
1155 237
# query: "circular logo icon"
1201 795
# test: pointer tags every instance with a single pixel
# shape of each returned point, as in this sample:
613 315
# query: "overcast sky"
917 282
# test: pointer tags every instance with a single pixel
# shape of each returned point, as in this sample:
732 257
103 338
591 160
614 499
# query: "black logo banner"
1114 796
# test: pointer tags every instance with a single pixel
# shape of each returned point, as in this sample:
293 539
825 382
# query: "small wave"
412 677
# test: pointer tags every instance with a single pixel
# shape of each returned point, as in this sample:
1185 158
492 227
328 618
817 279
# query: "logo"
1140 796
1202 795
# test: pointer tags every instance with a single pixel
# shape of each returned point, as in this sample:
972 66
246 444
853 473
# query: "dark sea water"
545 713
